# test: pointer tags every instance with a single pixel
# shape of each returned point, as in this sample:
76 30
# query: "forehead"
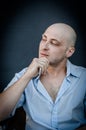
52 34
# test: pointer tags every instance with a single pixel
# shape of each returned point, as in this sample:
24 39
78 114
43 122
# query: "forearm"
10 97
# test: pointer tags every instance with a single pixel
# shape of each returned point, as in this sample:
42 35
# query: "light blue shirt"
68 111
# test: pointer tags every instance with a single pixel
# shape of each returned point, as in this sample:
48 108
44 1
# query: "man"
56 98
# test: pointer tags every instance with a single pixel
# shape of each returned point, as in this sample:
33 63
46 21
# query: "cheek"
58 52
54 51
40 45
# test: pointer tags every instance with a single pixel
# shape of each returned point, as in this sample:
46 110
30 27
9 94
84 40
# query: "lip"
43 54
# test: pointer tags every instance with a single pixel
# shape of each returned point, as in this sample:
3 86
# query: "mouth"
43 54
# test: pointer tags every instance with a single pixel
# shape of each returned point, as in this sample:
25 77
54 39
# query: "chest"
52 86
63 110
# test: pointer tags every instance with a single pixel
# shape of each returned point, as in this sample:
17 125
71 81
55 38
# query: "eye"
44 38
55 42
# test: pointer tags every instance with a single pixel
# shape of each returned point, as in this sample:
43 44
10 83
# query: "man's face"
53 47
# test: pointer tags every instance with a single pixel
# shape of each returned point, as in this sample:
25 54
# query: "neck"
55 70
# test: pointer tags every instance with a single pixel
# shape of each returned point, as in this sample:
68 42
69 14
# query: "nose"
46 45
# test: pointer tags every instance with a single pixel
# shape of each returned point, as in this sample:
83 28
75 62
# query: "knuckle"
35 59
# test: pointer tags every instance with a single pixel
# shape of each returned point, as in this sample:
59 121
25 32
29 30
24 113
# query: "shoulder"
81 71
20 73
77 70
16 77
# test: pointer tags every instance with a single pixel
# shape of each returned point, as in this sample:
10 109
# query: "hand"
36 64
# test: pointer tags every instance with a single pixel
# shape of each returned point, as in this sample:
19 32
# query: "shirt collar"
72 70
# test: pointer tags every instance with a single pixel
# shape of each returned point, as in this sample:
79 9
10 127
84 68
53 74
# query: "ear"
70 51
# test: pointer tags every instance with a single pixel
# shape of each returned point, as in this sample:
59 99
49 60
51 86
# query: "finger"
42 63
40 71
43 67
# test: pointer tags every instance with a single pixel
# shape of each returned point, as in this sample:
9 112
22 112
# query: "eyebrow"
43 35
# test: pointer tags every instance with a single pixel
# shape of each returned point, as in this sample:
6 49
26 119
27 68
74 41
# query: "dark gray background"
22 24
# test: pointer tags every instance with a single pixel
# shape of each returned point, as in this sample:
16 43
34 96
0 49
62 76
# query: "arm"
10 97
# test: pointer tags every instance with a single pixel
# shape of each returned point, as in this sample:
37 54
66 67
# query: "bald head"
64 32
